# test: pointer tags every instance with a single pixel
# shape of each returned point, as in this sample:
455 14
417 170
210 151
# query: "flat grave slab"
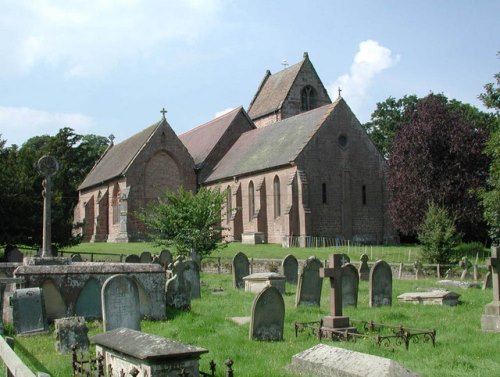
437 297
240 320
459 284
327 361
257 282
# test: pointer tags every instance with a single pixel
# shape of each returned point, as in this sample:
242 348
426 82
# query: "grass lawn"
462 349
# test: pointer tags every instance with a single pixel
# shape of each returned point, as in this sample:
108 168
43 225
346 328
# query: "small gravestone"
192 274
241 268
28 311
465 265
132 258
419 272
327 361
165 258
350 284
364 270
134 353
257 282
75 257
475 272
380 284
487 280
71 332
310 283
120 303
146 257
268 315
13 255
490 320
290 269
178 288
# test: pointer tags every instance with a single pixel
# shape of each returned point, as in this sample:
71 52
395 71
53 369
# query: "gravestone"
88 304
475 272
13 255
350 284
310 283
165 258
380 284
364 270
419 272
178 288
465 264
490 320
75 257
435 297
192 274
327 361
290 269
132 258
257 282
120 303
146 257
241 268
28 311
71 332
487 283
268 315
335 321
133 353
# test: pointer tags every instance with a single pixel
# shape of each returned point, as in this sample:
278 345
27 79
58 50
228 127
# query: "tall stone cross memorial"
490 320
47 166
335 321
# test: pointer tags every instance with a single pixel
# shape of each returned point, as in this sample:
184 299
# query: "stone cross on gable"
494 264
163 112
334 273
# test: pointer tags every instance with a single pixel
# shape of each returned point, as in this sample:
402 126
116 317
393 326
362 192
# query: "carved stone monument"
71 332
268 315
364 270
48 167
490 320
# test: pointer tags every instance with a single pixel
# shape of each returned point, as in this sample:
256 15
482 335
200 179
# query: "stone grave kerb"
490 321
335 321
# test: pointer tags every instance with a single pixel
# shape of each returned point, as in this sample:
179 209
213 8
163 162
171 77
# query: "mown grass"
462 349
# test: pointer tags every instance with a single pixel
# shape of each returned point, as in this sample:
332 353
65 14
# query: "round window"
343 140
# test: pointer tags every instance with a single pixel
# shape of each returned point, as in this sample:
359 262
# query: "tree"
490 197
438 157
188 221
438 235
387 119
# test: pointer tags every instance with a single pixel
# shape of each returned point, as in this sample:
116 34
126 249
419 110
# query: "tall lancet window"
307 98
114 203
251 201
277 197
229 208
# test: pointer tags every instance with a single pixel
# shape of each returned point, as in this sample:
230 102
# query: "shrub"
438 235
469 250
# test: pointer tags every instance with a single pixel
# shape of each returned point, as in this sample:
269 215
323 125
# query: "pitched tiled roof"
117 159
201 140
273 91
271 146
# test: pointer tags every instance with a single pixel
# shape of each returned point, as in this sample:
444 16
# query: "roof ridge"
211 121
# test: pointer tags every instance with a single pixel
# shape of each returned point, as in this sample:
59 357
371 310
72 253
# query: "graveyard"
461 347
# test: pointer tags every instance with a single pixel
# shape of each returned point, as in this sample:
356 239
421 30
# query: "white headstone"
120 303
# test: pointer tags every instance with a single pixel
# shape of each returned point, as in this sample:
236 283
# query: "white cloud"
369 61
87 37
18 124
225 111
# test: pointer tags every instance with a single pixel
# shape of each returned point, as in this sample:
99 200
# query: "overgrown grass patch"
462 349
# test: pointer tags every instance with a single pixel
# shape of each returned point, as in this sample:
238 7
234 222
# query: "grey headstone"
310 283
132 258
88 304
192 274
487 281
380 284
350 285
120 303
178 287
268 315
13 255
364 270
146 257
28 311
290 268
71 332
241 268
75 257
327 361
165 258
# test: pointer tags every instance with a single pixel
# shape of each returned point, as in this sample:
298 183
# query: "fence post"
251 265
218 265
10 342
91 257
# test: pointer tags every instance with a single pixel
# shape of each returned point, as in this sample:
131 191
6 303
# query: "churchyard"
461 349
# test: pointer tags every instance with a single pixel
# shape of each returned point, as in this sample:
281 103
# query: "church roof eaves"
270 147
117 160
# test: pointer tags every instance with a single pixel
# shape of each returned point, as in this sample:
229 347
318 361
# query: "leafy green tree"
438 235
188 221
490 197
438 157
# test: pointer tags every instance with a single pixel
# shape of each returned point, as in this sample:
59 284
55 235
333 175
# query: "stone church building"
295 166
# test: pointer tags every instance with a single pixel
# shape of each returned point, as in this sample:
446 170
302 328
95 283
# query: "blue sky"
109 67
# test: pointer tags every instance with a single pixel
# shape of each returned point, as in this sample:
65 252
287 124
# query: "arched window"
277 197
307 98
323 192
251 201
229 208
114 203
363 195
